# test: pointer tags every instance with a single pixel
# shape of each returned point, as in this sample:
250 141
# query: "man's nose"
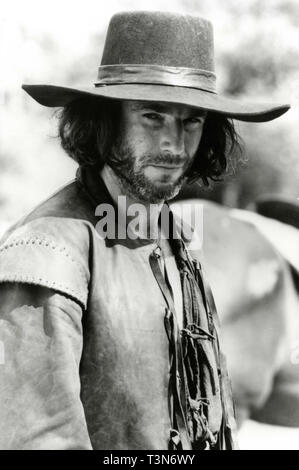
173 138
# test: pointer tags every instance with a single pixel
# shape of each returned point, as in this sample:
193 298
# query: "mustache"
167 158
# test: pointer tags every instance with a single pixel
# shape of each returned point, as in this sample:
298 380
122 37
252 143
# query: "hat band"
156 75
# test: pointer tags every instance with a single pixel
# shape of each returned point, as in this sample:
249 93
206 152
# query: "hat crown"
162 57
159 38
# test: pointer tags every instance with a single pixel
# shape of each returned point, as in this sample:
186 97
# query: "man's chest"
126 353
126 288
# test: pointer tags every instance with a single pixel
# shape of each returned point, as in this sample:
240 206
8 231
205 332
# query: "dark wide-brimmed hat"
159 56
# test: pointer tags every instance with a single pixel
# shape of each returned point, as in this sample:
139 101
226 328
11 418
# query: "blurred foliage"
257 58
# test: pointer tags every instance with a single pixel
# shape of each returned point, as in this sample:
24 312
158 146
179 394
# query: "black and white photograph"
149 227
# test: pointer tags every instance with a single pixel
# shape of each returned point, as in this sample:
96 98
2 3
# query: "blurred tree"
258 59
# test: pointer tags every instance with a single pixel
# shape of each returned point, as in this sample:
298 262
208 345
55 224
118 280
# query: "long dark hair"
88 127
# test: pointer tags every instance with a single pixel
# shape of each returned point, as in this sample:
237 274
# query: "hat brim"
57 96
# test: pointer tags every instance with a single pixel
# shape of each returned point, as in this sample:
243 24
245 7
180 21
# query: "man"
109 329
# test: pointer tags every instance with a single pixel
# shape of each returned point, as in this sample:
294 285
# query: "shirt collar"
97 192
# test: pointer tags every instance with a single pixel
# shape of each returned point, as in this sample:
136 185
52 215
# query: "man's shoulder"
50 245
67 206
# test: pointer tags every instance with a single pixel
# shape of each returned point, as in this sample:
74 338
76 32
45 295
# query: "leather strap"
228 431
179 382
177 379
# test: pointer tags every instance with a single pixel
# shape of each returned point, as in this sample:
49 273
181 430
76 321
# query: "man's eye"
152 116
194 120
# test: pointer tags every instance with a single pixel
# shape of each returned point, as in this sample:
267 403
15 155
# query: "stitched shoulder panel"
51 252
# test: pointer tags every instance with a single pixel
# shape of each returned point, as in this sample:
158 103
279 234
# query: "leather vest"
125 366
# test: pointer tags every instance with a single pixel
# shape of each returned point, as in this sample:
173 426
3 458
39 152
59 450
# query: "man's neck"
147 218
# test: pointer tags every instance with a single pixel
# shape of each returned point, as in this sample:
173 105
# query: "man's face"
156 146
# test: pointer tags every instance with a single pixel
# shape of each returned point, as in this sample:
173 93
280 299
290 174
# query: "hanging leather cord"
228 427
194 361
187 358
180 439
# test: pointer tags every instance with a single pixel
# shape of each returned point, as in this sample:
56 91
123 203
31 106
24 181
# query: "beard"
129 168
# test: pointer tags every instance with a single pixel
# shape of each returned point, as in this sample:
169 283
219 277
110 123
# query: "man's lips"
167 166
